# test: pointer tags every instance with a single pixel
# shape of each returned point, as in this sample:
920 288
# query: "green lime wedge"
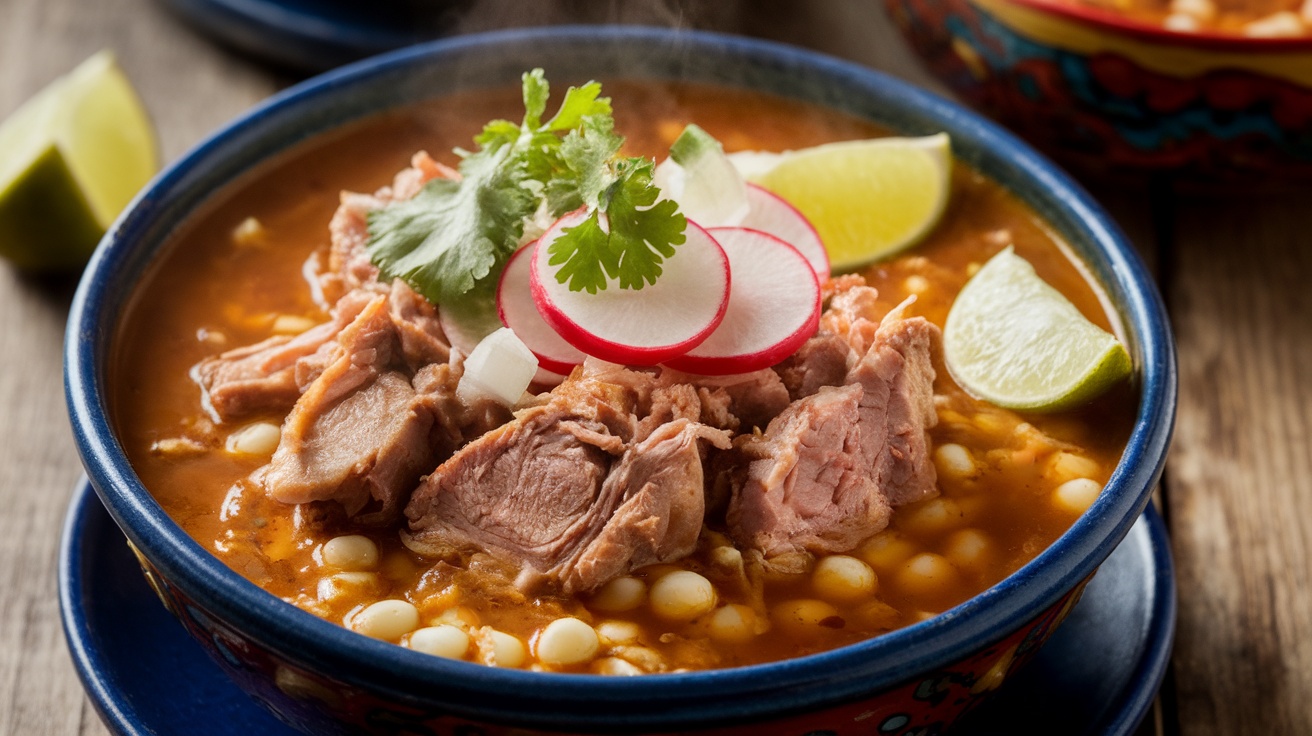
1013 340
70 159
867 199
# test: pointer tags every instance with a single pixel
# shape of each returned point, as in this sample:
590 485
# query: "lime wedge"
1013 340
70 159
867 199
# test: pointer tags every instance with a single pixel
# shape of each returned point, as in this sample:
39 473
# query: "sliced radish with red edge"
518 311
773 214
645 326
774 306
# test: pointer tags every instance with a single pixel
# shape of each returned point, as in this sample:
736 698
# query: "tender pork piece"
823 360
573 492
266 377
826 471
270 376
360 433
752 399
897 407
808 486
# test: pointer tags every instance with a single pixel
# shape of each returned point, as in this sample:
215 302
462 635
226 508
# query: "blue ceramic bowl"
1118 96
326 679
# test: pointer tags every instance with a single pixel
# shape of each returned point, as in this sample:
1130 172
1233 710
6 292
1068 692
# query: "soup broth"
1009 484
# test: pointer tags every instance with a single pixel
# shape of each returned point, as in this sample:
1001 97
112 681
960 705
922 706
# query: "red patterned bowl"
1109 94
325 679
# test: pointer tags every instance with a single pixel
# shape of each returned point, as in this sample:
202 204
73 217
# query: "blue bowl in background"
326 679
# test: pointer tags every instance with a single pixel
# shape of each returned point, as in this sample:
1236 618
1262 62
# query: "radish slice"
644 326
774 306
773 214
517 310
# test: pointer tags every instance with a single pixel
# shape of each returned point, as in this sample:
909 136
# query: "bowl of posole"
325 679
1113 93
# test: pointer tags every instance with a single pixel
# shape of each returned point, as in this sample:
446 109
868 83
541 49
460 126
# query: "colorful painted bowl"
325 679
1107 94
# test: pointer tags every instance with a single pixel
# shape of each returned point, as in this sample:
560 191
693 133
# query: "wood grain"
189 87
1240 473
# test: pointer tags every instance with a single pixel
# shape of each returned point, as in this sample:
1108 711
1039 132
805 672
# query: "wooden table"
1236 273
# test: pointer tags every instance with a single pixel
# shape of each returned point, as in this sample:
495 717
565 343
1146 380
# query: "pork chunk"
827 471
574 492
360 433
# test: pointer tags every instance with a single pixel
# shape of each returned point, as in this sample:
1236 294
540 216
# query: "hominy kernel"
616 667
1077 495
499 649
955 461
806 618
928 574
461 617
682 596
567 641
612 633
350 552
389 620
344 583
259 438
1064 466
877 614
886 551
441 641
621 594
841 578
934 516
727 557
648 659
916 284
967 548
734 623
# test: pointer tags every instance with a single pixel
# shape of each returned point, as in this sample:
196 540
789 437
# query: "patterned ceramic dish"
1110 94
325 679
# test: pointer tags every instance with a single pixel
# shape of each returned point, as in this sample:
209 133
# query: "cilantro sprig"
456 234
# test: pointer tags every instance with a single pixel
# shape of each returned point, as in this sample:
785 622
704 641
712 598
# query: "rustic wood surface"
1235 272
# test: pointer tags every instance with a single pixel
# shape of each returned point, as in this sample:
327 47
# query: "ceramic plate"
1098 674
316 35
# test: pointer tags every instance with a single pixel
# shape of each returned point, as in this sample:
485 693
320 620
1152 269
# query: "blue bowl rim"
657 702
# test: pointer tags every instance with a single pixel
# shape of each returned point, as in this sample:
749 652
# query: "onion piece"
500 368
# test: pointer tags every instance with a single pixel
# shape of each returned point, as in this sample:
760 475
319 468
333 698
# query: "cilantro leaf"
639 234
579 104
584 154
454 236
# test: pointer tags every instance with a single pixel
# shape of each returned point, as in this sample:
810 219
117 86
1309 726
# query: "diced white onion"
707 186
499 368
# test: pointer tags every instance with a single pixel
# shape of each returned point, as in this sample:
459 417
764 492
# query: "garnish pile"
618 272
457 233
